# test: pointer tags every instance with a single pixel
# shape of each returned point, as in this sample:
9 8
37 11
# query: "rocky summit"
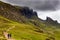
22 23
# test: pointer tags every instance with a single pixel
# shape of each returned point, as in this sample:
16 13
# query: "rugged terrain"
23 24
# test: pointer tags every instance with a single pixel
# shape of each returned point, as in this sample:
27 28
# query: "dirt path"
6 33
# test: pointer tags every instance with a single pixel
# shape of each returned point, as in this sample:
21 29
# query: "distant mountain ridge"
27 25
20 14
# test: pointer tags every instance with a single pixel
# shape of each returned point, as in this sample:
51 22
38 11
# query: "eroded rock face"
16 14
26 11
49 20
9 11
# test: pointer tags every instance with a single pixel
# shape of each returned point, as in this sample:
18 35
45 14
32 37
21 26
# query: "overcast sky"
50 8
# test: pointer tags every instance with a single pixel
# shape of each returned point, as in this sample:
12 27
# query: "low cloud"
38 4
55 15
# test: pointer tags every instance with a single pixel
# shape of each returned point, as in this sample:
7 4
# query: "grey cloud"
37 4
41 5
4 0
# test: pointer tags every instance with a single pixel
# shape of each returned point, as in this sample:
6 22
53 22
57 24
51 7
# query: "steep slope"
27 24
9 12
16 14
21 31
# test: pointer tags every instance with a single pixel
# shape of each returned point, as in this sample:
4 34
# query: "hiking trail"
6 33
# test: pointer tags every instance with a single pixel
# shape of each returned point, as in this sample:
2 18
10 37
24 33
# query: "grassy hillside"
23 31
24 26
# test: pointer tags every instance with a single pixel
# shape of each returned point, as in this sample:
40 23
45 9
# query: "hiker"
9 35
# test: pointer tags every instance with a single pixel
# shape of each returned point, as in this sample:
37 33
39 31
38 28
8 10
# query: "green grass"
26 31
